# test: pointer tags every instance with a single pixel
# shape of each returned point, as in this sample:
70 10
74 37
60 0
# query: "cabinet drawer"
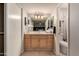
51 37
43 37
35 37
26 36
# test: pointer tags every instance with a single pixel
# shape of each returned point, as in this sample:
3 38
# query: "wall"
54 13
74 29
23 28
13 30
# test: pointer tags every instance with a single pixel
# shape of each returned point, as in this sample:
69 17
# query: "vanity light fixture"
35 17
42 17
39 17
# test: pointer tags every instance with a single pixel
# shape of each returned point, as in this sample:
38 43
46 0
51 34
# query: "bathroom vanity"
39 35
38 41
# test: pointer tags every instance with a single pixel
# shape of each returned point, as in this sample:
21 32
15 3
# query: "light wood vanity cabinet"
38 41
35 43
27 41
50 42
43 43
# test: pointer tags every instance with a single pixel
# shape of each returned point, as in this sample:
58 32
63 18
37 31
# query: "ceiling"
31 8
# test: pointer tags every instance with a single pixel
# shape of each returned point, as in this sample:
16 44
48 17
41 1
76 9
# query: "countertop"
39 32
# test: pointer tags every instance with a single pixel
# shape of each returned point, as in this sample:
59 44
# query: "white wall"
23 28
13 30
74 29
54 13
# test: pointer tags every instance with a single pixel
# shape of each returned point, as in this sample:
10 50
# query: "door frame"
68 25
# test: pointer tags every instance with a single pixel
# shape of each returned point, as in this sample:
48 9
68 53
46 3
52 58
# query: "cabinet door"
43 43
50 43
35 43
27 43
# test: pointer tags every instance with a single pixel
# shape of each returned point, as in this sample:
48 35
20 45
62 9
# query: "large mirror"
39 23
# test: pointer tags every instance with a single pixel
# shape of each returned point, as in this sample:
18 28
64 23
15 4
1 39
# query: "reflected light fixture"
42 17
35 17
39 17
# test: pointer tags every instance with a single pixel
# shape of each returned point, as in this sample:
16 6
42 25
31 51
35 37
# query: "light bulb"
35 17
42 17
38 17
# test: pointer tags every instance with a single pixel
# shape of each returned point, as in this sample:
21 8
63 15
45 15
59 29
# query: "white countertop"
38 32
